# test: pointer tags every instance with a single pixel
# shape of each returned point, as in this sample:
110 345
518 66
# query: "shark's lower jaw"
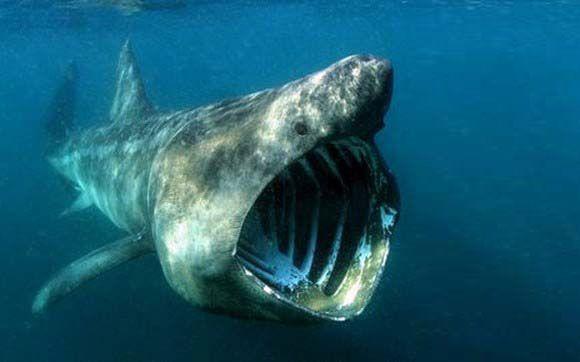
317 237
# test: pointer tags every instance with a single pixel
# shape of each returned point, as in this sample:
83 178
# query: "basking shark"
276 205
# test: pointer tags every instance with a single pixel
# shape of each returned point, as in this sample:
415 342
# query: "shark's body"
276 205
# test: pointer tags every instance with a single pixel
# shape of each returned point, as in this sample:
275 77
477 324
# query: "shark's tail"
60 117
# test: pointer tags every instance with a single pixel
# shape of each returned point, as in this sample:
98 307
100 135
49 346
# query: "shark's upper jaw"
317 237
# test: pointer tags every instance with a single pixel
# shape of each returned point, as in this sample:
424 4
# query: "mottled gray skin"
187 179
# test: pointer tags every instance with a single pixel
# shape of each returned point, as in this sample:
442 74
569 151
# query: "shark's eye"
301 128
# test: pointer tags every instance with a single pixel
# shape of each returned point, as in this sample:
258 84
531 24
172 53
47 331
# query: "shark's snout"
350 97
371 77
366 86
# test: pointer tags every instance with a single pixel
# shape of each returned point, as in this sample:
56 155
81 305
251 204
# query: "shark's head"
278 205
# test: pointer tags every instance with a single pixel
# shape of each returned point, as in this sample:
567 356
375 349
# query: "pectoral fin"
89 267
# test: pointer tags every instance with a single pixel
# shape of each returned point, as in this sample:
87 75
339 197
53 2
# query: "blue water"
482 133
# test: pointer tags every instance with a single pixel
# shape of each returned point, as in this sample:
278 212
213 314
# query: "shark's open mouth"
317 236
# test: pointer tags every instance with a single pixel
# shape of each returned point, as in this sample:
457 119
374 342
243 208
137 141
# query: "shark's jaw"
317 237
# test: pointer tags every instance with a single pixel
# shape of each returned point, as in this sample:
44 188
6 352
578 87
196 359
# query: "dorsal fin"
130 102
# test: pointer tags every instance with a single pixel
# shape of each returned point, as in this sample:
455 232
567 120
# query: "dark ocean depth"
483 134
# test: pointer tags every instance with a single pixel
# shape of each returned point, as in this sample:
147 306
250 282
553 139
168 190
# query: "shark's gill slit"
280 187
291 216
353 231
306 228
304 205
356 174
331 202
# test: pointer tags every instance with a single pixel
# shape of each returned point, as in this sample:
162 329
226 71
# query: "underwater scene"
289 180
